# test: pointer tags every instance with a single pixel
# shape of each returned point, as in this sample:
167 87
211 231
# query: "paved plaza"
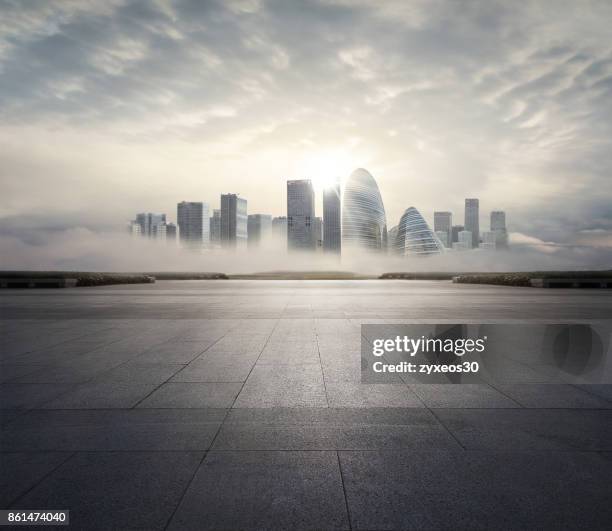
238 405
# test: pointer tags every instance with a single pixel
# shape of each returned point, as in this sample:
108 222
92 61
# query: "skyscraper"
364 223
472 223
215 228
259 229
234 230
498 226
332 219
300 215
443 222
192 219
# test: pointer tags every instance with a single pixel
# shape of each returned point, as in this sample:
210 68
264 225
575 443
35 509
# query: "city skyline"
353 218
321 186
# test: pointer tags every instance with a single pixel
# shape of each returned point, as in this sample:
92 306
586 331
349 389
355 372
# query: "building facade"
152 225
455 230
171 231
364 223
414 237
192 219
443 222
465 241
279 229
134 229
300 215
489 240
234 224
472 220
215 228
498 226
332 219
318 232
259 228
442 235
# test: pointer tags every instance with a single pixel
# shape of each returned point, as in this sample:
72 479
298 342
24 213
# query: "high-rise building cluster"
469 236
353 218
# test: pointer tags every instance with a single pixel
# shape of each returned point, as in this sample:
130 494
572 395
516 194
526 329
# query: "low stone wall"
64 279
543 279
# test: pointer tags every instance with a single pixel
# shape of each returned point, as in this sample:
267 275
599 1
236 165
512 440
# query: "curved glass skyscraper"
364 223
414 237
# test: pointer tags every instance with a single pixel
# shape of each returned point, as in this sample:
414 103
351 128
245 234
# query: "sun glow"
325 168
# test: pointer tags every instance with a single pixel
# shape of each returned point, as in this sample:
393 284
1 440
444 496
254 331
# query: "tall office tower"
465 239
215 228
472 223
171 231
234 229
364 223
279 229
455 230
150 224
300 215
443 222
317 232
193 225
332 219
498 226
259 229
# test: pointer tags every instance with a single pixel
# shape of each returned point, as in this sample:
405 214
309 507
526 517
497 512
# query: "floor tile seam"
343 483
73 356
45 476
180 500
382 450
200 464
253 366
231 329
53 345
493 386
585 388
134 406
103 372
321 363
448 430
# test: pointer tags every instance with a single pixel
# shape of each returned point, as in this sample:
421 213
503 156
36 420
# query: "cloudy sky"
108 108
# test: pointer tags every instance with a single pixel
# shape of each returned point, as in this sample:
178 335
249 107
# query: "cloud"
517 239
108 108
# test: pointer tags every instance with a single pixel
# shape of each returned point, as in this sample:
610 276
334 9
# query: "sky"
117 107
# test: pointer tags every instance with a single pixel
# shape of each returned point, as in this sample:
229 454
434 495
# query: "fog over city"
108 109
84 250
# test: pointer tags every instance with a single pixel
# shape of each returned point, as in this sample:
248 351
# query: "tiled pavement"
237 404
